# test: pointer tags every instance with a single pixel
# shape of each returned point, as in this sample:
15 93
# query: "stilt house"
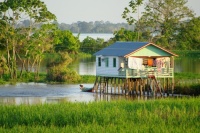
134 66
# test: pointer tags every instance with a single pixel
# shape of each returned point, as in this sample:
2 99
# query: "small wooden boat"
86 89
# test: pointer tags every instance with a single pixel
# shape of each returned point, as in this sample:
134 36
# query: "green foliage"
31 77
164 17
18 41
186 75
188 53
187 83
128 12
91 45
87 79
66 42
125 35
161 115
188 37
3 66
160 21
88 45
188 87
84 55
60 74
58 71
2 82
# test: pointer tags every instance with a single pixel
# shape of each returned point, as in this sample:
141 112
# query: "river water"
37 93
40 93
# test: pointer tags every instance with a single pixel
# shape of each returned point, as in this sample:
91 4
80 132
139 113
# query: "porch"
147 72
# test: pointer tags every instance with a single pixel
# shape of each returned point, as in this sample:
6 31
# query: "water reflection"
187 64
38 93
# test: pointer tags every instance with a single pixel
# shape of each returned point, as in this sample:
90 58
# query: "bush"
58 74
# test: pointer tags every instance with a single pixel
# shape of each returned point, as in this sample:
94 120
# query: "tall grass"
163 115
87 79
188 87
183 75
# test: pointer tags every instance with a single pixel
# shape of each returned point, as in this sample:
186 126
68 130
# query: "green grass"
87 79
162 115
182 75
187 83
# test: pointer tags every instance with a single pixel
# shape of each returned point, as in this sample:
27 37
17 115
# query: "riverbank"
162 115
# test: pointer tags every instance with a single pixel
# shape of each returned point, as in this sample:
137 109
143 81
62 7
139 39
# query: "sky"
71 11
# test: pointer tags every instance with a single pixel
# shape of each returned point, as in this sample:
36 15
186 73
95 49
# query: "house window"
114 62
106 62
99 61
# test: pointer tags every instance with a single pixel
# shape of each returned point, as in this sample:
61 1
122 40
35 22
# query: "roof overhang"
128 55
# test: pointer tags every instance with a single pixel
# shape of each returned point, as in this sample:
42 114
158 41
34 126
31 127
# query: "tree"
57 70
161 19
66 41
163 16
11 13
87 45
188 36
85 27
41 42
125 35
91 45
128 14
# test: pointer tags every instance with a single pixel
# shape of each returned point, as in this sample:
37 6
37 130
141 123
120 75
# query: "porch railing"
158 72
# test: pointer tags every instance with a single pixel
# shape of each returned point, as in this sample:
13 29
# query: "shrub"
59 74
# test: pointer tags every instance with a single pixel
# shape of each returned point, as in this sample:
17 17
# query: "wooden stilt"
115 85
136 87
143 86
129 86
172 86
122 86
107 83
132 86
119 85
167 85
95 87
141 92
148 86
126 87
111 83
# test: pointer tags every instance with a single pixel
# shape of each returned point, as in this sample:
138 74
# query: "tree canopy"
66 41
160 20
188 36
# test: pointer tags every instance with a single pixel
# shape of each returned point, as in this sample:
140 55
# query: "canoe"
85 89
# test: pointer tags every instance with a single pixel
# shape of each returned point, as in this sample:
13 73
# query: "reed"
179 76
87 79
163 115
188 87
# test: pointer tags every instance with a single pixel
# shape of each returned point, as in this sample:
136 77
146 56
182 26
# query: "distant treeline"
88 27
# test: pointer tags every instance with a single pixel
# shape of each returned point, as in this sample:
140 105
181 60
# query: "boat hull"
85 89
